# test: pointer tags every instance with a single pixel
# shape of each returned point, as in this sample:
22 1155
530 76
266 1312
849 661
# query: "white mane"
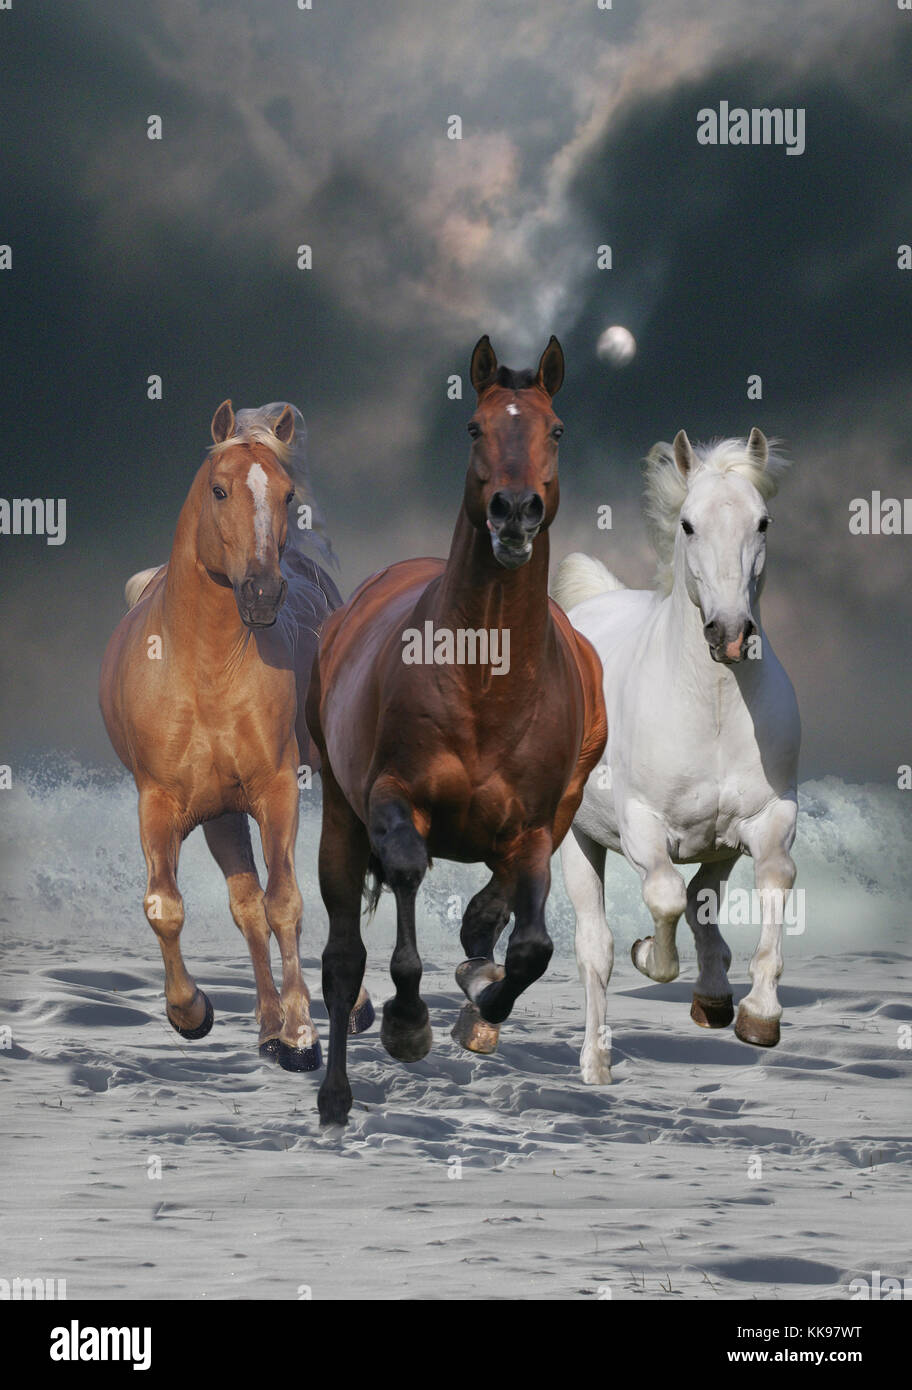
255 425
666 489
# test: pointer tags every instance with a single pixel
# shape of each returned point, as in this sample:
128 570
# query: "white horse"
703 738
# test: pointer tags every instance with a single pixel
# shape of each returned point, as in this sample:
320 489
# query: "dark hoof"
712 1013
361 1017
269 1050
407 1042
333 1106
300 1058
761 1032
201 1029
473 1033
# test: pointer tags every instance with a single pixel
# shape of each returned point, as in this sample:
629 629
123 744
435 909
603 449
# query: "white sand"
565 1191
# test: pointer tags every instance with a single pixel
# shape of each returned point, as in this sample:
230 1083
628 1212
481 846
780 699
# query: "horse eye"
474 430
687 528
220 493
557 431
764 523
290 498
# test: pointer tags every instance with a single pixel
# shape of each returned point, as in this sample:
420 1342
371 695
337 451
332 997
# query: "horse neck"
477 592
197 611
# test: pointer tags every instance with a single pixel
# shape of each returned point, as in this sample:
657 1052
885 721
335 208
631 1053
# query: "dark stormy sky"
328 126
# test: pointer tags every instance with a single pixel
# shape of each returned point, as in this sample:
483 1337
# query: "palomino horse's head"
511 487
243 522
722 537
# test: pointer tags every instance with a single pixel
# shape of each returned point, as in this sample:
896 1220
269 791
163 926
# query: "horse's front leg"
276 812
485 918
228 837
583 864
187 1007
530 947
343 863
770 843
664 893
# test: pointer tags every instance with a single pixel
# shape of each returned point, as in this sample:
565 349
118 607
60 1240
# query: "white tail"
580 577
137 585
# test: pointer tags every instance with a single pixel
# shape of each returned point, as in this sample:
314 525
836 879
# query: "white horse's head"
709 517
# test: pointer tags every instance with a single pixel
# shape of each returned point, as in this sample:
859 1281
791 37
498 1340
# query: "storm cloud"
328 127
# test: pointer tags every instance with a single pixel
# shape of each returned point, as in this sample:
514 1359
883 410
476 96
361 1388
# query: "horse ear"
223 423
683 453
551 367
484 365
757 448
283 429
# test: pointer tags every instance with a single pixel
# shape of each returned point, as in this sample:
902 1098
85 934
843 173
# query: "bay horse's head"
511 486
243 523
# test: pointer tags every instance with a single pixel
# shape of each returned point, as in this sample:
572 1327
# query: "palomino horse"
458 714
202 693
702 755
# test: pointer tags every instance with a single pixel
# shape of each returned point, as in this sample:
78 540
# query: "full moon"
616 345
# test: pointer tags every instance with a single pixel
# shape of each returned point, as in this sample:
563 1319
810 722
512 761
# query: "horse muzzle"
728 643
259 599
514 520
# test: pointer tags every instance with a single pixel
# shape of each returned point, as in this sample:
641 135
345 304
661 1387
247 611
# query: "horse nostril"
712 631
749 630
500 508
532 510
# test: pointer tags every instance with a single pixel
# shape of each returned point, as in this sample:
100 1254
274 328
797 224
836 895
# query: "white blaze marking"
512 409
258 483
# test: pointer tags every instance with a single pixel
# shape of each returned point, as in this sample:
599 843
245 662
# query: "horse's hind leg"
712 997
583 863
406 1030
187 1007
485 918
229 840
343 860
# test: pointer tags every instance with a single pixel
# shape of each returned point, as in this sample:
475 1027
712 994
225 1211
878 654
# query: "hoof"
762 1032
201 1029
362 1016
300 1058
269 1050
595 1067
405 1042
333 1112
474 975
473 1033
641 945
712 1013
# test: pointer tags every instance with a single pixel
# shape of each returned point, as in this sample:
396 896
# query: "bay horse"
704 735
465 752
202 694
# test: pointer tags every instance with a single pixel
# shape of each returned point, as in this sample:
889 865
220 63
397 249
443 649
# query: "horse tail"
580 577
137 585
373 884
